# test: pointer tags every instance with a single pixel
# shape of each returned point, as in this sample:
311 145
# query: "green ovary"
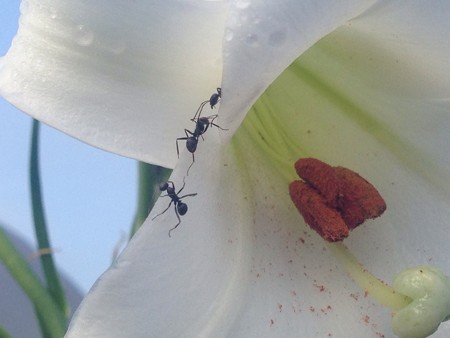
430 290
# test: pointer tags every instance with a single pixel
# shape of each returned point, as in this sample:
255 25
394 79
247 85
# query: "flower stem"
49 314
51 275
374 287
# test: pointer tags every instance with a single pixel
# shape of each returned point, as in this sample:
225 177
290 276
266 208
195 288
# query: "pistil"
335 200
372 286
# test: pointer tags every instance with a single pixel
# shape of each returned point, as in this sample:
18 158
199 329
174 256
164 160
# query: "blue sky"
89 194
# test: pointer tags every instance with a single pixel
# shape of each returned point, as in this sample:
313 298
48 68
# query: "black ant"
213 100
180 207
201 126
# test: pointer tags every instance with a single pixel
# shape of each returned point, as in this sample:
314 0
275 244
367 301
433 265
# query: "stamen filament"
378 290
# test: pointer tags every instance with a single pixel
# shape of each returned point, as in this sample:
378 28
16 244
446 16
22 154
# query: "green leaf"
150 176
50 315
51 275
4 333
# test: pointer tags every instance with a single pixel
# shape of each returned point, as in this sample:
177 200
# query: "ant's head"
163 186
215 97
166 187
182 208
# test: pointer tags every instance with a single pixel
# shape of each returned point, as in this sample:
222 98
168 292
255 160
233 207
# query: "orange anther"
333 200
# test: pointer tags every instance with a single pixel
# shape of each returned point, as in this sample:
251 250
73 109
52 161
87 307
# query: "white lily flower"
371 95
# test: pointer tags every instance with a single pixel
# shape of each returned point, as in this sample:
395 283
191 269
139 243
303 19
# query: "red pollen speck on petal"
333 200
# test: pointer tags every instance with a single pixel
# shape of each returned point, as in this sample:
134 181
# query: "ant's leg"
211 122
184 183
163 211
179 220
188 195
180 139
199 110
183 139
212 117
190 132
204 131
193 160
216 125
187 135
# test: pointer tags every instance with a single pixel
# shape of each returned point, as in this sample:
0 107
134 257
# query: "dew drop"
251 39
84 36
53 13
229 35
242 4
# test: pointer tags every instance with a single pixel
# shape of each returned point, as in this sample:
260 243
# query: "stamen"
333 200
326 221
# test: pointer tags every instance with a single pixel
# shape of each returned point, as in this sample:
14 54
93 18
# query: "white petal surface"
241 263
122 76
264 37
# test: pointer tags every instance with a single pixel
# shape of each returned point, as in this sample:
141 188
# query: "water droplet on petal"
251 39
242 4
229 35
53 13
84 36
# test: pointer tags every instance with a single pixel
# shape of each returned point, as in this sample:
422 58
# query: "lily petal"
120 76
242 262
263 38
